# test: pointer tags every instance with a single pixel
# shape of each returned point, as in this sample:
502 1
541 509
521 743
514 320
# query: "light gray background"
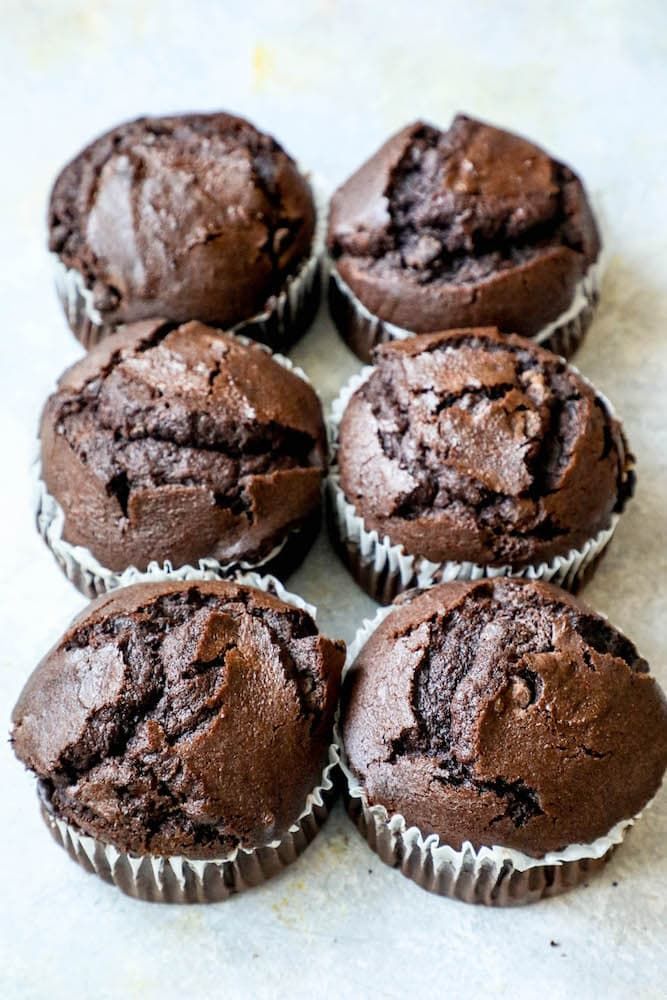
332 78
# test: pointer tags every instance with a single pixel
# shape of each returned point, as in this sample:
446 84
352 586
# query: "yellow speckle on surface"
286 913
59 33
338 844
263 66
190 921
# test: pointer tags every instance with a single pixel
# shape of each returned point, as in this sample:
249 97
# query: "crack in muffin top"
460 204
185 407
471 445
179 717
504 712
188 217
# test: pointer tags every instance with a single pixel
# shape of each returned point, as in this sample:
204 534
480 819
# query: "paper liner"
287 317
384 569
92 578
362 330
187 880
493 876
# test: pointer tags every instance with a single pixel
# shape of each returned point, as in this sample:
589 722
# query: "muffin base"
92 578
384 570
285 319
491 876
186 880
362 330
469 880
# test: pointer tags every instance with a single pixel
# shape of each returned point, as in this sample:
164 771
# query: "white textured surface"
331 78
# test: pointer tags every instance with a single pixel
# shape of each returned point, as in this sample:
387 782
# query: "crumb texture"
187 217
504 713
182 719
475 446
438 216
178 443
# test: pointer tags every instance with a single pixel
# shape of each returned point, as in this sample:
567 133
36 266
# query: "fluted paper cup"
362 330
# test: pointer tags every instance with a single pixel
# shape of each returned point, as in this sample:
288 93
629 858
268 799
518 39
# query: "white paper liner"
180 879
487 875
386 569
289 312
92 578
563 335
586 295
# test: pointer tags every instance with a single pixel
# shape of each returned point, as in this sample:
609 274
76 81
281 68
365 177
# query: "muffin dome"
181 719
177 443
195 216
464 227
504 713
471 445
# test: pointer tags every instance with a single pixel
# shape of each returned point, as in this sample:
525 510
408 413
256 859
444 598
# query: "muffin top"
504 712
476 446
465 227
181 718
176 443
195 216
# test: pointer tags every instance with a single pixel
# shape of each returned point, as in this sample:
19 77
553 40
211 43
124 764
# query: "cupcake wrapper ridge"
362 330
184 880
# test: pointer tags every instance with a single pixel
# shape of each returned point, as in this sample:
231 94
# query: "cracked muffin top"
504 712
195 216
465 227
181 718
179 442
471 445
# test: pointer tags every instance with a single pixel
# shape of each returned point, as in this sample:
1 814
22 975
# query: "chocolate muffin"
480 447
504 713
469 227
180 443
182 720
197 216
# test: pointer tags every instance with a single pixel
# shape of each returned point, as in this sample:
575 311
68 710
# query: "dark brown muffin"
504 713
471 445
181 719
197 216
468 227
176 443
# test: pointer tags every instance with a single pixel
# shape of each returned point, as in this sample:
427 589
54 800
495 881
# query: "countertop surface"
331 79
